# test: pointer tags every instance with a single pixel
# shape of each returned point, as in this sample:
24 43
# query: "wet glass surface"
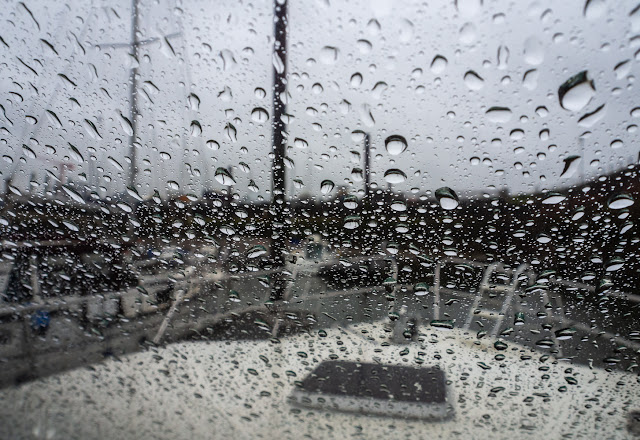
203 203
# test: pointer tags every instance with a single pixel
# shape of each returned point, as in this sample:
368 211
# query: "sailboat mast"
133 96
278 185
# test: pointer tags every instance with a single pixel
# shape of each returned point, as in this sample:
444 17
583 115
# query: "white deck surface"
204 390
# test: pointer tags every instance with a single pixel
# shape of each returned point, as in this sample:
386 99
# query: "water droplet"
590 119
300 143
356 80
402 228
473 81
28 152
622 69
565 333
634 17
277 63
594 9
329 55
91 129
364 46
516 134
227 230
395 144
244 167
241 213
533 51
553 198
289 163
125 207
378 89
73 194
53 118
224 177
357 174
615 144
503 57
126 125
447 198
544 135
576 92
196 129
500 345
394 176
350 202
438 64
614 264
214 145
14 190
604 284
499 114
256 251
468 33
71 226
578 213
358 135
571 165
626 226
530 79
115 163
373 27
352 222
228 60
194 101
391 248
620 201
326 186
230 132
75 155
406 31
421 289
366 116
398 205
225 95
542 111
345 106
67 81
260 93
260 115
442 323
134 193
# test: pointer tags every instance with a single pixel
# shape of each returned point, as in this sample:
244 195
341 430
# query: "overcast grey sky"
522 51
